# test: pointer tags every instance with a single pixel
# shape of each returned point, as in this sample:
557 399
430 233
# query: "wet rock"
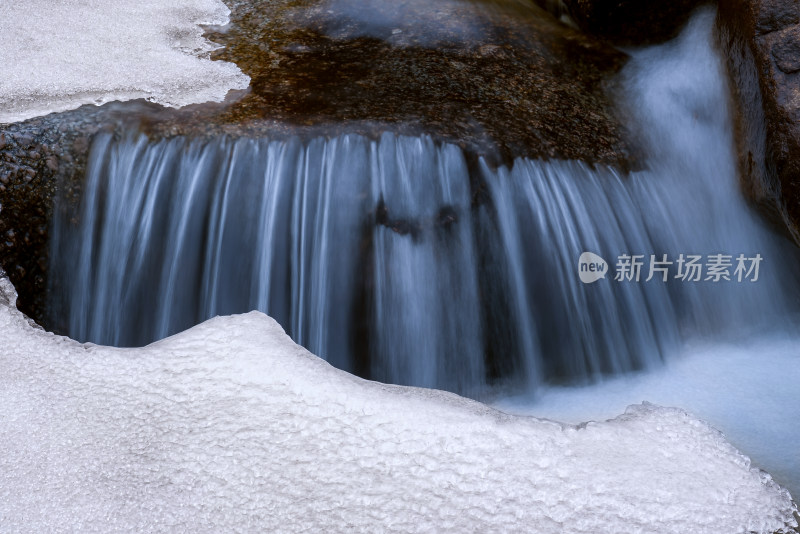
490 75
773 15
28 181
626 22
761 40
28 174
81 144
24 140
787 50
52 163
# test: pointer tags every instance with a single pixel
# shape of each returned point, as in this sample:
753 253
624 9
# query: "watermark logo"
684 268
591 267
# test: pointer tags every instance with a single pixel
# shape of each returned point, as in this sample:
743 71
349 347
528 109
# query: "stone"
773 15
24 140
490 75
626 22
52 163
786 50
761 41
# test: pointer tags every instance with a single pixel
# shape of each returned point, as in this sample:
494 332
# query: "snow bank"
746 387
60 55
231 426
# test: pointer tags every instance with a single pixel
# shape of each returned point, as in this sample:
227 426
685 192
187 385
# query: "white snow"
230 426
746 388
59 55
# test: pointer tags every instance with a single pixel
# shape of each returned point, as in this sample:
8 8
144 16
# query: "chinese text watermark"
662 267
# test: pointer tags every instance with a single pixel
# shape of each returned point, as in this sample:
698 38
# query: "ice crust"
230 426
60 55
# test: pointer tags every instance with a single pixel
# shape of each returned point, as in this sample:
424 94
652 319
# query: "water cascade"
405 260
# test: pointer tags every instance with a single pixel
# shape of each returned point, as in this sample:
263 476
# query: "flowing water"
407 261
743 382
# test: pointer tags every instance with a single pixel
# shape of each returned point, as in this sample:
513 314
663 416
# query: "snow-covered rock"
56 56
232 427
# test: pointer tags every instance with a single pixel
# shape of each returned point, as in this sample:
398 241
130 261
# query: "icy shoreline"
59 56
231 426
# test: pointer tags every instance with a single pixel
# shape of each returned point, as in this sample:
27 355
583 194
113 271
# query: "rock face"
625 22
761 39
36 158
478 73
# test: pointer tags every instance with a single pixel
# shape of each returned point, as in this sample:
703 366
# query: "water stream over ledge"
409 261
401 260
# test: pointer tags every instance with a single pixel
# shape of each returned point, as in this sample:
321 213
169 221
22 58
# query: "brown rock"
480 73
761 40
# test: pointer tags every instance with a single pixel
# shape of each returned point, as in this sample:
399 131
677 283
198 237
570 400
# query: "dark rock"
773 15
787 50
27 187
626 22
23 140
52 163
489 75
81 144
760 40
28 174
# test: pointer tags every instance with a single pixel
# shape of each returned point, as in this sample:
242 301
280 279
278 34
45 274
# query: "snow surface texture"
60 55
746 387
230 426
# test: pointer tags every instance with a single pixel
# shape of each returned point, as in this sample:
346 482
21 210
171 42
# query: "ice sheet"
231 426
60 55
747 389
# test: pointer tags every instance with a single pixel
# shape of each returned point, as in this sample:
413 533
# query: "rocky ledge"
761 39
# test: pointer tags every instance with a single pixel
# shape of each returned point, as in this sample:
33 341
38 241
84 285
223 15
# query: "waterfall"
405 260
